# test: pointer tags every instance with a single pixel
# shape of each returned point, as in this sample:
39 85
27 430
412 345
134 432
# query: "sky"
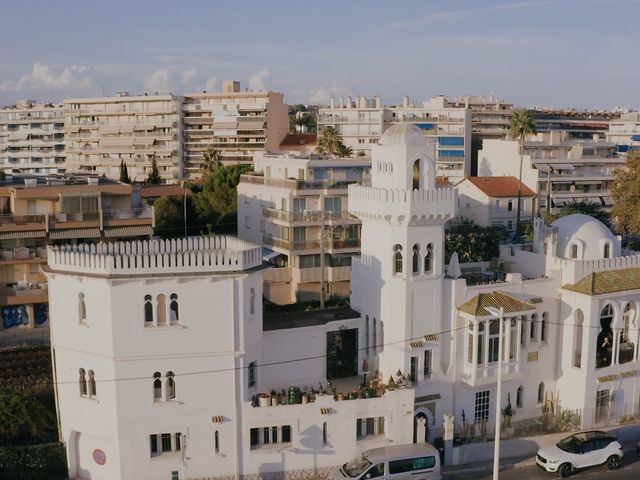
561 53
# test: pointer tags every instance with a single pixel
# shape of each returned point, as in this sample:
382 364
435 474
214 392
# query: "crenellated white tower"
403 215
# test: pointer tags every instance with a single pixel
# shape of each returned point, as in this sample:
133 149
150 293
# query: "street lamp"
499 314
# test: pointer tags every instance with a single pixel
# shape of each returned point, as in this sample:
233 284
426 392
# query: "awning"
225 125
130 231
635 138
561 202
562 166
117 142
75 233
251 125
143 128
106 129
144 141
542 168
126 128
73 128
18 136
268 254
29 234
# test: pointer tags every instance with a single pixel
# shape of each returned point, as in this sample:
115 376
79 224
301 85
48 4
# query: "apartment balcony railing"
134 216
309 216
330 244
22 222
295 184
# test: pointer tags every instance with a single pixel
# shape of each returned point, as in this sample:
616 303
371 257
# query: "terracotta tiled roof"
599 283
154 191
297 139
443 182
476 306
500 186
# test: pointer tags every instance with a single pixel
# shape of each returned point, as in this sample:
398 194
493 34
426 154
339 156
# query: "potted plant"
340 396
275 398
264 399
508 412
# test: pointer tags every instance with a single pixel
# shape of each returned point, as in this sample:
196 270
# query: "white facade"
564 294
625 132
32 138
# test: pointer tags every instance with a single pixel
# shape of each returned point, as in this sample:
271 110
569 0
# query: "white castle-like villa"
166 369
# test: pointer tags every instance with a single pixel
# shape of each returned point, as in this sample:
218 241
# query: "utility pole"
499 313
322 238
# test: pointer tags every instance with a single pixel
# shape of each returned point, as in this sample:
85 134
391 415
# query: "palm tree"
211 159
522 124
330 142
345 152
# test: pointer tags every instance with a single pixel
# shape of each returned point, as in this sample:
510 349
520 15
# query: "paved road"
630 470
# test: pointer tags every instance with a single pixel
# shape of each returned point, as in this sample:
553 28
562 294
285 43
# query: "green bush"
45 461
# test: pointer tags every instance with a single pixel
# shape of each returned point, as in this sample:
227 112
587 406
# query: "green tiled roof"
599 283
476 306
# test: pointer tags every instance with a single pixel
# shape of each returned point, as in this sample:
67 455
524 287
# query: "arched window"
545 248
161 309
397 259
82 309
416 260
540 393
607 250
82 382
543 326
605 338
216 442
416 175
173 307
252 301
324 434
374 340
578 318
428 259
381 340
92 384
519 397
157 387
533 332
480 345
626 348
148 310
574 251
366 333
171 386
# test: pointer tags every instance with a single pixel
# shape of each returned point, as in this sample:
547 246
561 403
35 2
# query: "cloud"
188 75
431 17
211 84
322 95
161 80
259 80
44 77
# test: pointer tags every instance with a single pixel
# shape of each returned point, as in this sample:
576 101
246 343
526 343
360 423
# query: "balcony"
310 216
135 216
22 223
477 375
296 184
331 274
331 244
24 292
22 255
74 220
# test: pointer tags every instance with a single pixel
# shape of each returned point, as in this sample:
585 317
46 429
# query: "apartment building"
577 124
490 116
362 121
560 169
37 211
296 206
237 123
625 132
102 132
32 138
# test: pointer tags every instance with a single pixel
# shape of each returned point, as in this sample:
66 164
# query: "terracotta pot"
305 398
264 400
275 401
340 397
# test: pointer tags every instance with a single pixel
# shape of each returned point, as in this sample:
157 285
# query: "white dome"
583 237
403 134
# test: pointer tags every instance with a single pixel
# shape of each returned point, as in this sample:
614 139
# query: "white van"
419 461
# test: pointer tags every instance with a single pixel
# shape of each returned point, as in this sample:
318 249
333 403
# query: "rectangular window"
251 375
175 475
369 427
414 369
275 435
246 222
164 443
333 204
299 205
427 364
470 348
482 405
603 398
411 464
523 331
510 206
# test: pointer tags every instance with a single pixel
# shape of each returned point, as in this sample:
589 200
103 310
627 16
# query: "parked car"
419 461
581 450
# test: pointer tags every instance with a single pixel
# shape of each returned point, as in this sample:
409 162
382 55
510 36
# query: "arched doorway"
420 428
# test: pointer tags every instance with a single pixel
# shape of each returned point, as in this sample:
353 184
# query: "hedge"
44 461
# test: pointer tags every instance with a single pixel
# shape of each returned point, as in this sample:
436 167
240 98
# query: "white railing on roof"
184 255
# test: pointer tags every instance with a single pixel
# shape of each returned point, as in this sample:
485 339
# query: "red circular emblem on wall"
99 457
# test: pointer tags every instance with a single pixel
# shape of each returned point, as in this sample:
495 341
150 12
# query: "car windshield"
356 467
570 444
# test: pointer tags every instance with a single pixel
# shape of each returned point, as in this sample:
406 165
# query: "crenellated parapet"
186 255
402 207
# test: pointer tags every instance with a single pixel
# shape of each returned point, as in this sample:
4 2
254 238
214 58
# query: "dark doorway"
420 428
342 353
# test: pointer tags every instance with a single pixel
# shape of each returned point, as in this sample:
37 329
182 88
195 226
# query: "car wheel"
565 470
613 462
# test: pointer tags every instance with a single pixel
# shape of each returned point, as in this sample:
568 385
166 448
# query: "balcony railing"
295 184
330 244
309 216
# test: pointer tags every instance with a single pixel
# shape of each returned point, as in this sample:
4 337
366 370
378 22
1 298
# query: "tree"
221 187
154 176
626 196
23 419
211 159
330 142
169 217
124 173
345 151
584 207
522 124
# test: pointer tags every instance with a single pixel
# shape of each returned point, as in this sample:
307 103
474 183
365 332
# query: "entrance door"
342 353
420 428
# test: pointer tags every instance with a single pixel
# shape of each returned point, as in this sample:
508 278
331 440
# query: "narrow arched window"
82 382
148 310
541 392
519 397
82 309
325 439
578 319
252 301
428 259
171 386
416 175
216 442
374 342
173 307
574 251
607 250
604 346
366 333
161 309
397 259
543 326
533 332
416 260
626 346
157 387
92 384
